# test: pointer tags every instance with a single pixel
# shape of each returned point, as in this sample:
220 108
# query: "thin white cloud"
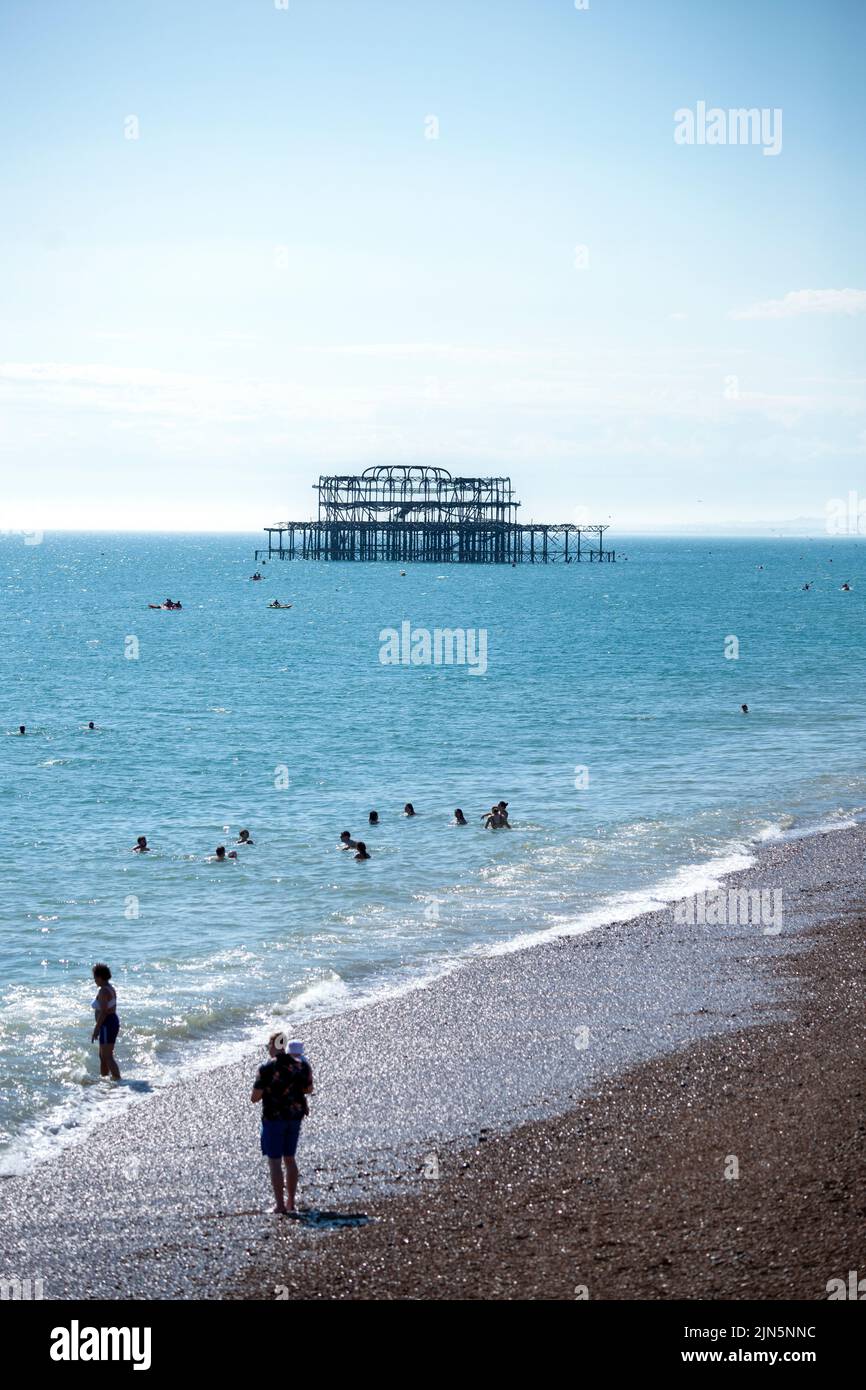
797 302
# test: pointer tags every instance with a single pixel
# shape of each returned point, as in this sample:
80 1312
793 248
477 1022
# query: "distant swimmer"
409 809
459 818
807 586
244 838
346 841
846 588
745 709
107 1025
502 807
374 817
275 603
255 576
219 855
22 728
362 850
493 819
91 725
141 846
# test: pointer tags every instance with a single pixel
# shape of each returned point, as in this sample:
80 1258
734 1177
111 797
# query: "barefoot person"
282 1085
107 1024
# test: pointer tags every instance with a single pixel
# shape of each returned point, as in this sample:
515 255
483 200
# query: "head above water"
22 728
220 851
408 809
459 816
374 817
345 836
243 834
142 841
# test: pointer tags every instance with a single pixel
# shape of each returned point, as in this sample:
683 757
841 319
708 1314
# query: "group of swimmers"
170 604
219 856
494 819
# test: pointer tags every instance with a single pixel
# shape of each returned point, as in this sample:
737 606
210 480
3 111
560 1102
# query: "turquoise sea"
608 717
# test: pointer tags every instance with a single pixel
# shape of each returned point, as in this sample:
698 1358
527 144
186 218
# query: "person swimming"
141 846
219 856
244 838
459 818
745 709
409 809
493 819
362 850
91 725
22 728
846 588
346 841
374 817
502 807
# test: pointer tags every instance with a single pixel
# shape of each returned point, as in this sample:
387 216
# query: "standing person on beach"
107 1024
282 1085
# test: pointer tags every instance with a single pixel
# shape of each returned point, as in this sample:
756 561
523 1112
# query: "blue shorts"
280 1137
109 1030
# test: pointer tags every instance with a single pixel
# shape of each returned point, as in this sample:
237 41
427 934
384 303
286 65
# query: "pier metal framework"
401 512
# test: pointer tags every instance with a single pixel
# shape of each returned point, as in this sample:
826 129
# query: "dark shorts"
280 1137
109 1030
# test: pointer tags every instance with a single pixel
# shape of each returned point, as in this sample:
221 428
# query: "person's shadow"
329 1220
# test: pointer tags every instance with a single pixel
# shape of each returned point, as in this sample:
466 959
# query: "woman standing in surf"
107 1024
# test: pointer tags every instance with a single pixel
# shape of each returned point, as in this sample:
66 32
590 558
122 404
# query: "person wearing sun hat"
282 1085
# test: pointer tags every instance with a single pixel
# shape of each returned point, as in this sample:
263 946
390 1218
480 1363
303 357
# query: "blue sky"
283 274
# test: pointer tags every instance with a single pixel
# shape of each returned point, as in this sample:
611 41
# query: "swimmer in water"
220 856
493 819
459 818
374 817
141 846
22 728
244 838
346 841
362 850
745 709
502 808
409 809
846 588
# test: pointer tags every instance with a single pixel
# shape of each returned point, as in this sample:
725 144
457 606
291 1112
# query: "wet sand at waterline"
680 1045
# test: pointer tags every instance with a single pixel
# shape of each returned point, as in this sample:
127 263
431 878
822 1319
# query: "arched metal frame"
412 512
